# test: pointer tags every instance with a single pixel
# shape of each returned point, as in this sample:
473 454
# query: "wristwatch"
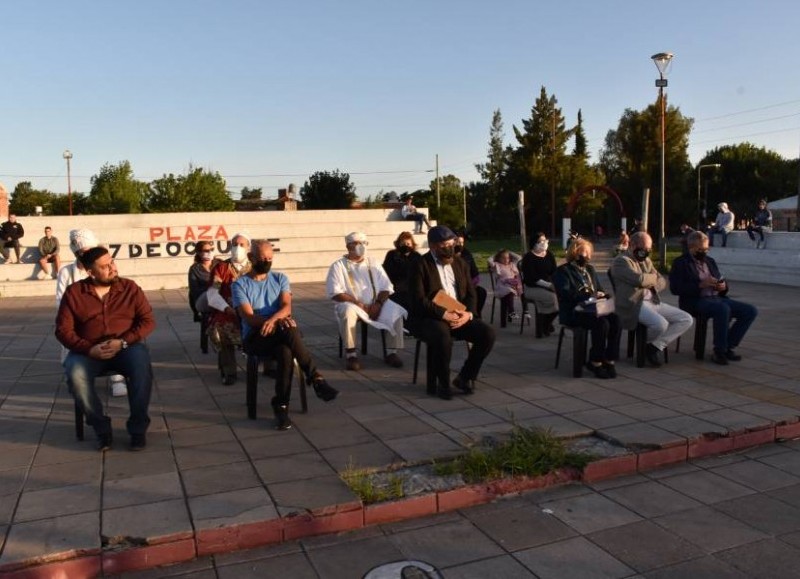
124 344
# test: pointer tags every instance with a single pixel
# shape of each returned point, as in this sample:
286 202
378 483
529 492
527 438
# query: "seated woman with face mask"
576 285
397 265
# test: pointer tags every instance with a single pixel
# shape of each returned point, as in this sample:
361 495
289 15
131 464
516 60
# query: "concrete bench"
777 263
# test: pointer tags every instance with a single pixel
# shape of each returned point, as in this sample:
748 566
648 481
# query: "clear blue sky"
267 92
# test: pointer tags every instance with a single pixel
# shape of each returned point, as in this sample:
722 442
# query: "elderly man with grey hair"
361 289
636 284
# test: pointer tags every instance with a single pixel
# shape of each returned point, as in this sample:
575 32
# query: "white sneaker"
118 386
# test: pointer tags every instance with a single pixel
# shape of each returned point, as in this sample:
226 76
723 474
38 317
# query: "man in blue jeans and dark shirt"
702 290
103 321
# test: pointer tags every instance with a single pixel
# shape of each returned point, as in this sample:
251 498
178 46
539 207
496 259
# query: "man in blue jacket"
696 280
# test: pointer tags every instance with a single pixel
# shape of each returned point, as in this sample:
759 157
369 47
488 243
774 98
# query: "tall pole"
438 199
702 214
68 156
465 208
662 61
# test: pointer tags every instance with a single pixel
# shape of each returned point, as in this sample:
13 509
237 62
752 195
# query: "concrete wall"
157 250
778 263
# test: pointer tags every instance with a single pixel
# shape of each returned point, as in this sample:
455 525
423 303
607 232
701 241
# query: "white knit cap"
354 237
80 239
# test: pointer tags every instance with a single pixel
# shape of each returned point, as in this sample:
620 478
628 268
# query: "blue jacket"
684 281
571 290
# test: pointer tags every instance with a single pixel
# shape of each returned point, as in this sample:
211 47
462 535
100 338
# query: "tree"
451 196
580 150
328 190
248 193
114 190
631 158
25 199
486 209
199 190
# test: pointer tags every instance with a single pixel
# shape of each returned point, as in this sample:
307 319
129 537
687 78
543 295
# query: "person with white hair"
723 225
223 324
80 241
361 289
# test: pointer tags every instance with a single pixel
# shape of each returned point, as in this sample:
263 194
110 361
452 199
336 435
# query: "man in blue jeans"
103 321
702 290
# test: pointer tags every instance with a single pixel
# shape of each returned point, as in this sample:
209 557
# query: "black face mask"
262 267
458 249
700 255
446 253
581 260
404 249
641 254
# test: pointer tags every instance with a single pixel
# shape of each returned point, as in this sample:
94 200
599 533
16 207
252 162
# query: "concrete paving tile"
518 524
317 542
12 479
651 499
688 426
710 529
644 411
309 494
266 552
354 558
573 558
67 534
558 426
398 427
211 434
533 392
734 419
294 467
564 404
347 434
786 461
688 404
150 521
17 456
774 412
295 566
219 478
516 411
55 502
764 560
64 474
446 544
614 483
119 465
424 447
370 455
232 508
285 443
715 461
505 567
645 546
210 455
466 417
141 489
702 568
706 487
757 475
485 395
433 404
606 397
591 512
382 411
202 568
597 418
640 434
672 470
764 513
429 521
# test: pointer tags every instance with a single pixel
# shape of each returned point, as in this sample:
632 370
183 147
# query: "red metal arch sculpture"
573 200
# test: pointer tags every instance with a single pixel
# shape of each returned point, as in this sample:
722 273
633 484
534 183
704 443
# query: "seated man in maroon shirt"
103 321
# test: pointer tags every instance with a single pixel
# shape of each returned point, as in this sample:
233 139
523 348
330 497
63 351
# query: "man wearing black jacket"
10 233
701 289
437 271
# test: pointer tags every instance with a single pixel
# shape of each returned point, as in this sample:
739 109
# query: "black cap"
440 233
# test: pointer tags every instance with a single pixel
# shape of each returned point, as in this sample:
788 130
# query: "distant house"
784 214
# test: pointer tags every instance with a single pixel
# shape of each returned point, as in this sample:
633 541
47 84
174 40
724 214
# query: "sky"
266 93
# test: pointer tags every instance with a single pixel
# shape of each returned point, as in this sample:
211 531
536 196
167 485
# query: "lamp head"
662 61
67 154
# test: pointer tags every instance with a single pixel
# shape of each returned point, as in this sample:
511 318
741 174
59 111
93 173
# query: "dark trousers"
283 345
757 229
481 293
133 363
9 244
439 338
606 332
721 310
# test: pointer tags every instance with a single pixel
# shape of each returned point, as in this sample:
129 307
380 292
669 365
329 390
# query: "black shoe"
104 441
444 392
611 369
653 356
430 389
598 371
719 358
228 379
323 390
732 356
138 442
466 386
282 420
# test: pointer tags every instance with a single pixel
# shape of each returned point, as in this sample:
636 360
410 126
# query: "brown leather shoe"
353 364
393 360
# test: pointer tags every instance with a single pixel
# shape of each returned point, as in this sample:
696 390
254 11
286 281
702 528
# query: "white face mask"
541 246
359 250
238 254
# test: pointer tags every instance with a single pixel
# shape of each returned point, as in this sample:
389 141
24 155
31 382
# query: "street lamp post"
68 156
662 61
705 208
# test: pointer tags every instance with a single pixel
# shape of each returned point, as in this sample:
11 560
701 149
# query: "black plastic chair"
364 336
579 340
254 362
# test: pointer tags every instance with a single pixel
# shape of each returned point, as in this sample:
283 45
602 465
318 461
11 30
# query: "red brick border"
246 536
787 431
300 526
662 457
83 567
705 446
610 467
409 508
754 438
150 556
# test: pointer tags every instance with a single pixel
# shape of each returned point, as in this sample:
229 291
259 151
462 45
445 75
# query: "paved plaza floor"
207 466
